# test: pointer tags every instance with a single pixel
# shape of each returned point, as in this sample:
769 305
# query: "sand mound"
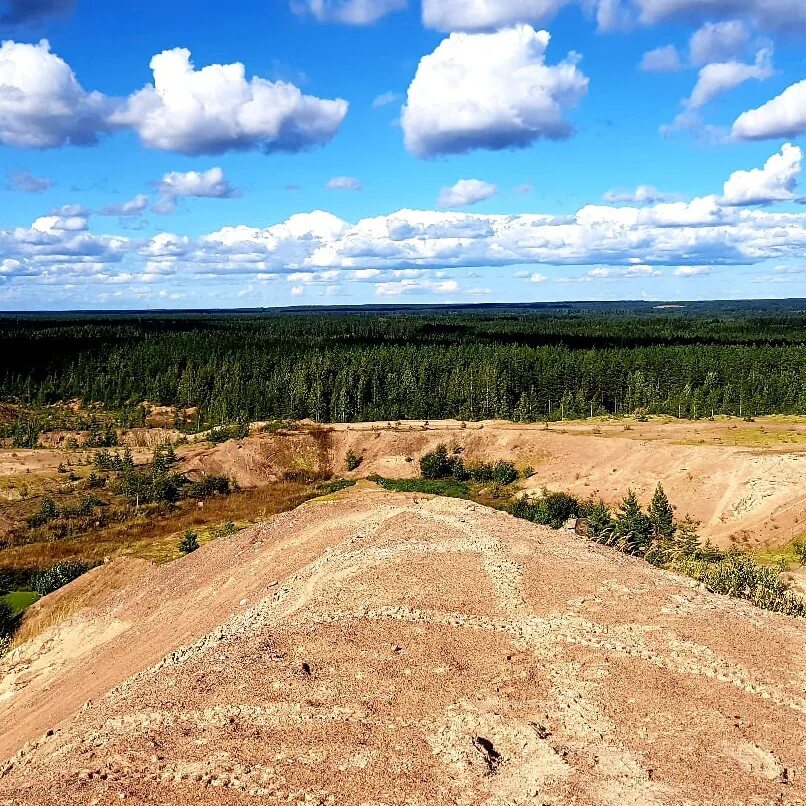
385 649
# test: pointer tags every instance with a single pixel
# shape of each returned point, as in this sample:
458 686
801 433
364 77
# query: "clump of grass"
331 487
450 488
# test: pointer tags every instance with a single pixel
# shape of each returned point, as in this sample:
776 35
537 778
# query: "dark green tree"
661 514
189 543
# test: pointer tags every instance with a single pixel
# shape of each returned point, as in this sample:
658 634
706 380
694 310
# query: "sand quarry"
378 648
375 648
744 481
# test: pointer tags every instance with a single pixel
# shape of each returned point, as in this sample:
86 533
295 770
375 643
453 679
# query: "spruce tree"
632 526
661 514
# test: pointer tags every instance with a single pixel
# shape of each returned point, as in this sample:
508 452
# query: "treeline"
512 364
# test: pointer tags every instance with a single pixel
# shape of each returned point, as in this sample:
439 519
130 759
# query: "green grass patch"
19 600
331 487
449 488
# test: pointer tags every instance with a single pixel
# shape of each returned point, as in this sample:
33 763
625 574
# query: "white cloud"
491 91
139 204
783 116
718 42
486 15
216 109
348 12
26 182
344 183
691 271
210 184
775 182
715 79
400 287
417 246
643 194
610 273
466 192
384 99
773 15
536 277
665 59
42 105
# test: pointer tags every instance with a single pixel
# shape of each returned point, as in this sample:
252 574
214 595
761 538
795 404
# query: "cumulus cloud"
136 206
715 79
718 42
344 183
23 12
210 184
466 192
783 116
486 15
775 182
400 287
348 12
772 15
419 245
665 59
26 182
643 194
207 111
216 109
42 105
491 91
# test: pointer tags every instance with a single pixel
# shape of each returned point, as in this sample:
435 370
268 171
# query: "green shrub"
189 543
504 472
437 464
740 576
552 509
57 576
800 552
209 485
352 460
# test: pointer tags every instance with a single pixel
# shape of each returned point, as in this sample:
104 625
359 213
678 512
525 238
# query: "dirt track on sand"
388 649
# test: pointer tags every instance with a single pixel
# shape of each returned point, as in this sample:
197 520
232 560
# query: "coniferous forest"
521 362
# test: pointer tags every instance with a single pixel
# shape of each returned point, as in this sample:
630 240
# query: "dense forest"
521 362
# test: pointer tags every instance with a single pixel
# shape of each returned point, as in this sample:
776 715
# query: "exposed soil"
744 481
376 648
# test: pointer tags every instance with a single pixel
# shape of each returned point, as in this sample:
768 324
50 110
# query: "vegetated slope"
745 482
381 648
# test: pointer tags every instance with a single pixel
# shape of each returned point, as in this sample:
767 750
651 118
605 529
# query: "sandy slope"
384 649
749 495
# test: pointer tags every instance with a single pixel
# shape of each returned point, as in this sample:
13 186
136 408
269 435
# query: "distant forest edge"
527 363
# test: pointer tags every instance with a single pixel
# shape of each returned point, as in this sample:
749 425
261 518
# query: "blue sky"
282 152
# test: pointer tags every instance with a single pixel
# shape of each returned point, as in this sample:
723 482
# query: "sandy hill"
389 649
